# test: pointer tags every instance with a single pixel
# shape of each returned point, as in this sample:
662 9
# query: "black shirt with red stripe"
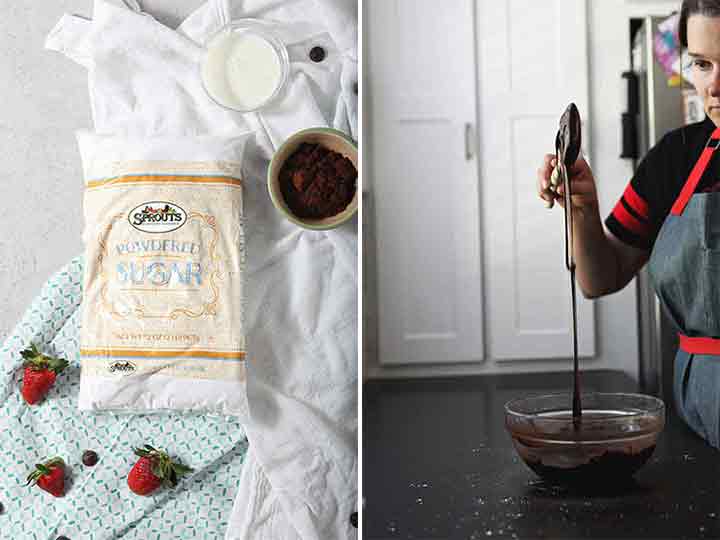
658 180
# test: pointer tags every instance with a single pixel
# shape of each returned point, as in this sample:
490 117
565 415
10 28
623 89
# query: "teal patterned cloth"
98 503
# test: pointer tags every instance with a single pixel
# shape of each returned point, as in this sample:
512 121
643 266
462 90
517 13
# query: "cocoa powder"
317 182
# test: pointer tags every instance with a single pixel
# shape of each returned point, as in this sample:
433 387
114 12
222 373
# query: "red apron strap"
699 345
691 184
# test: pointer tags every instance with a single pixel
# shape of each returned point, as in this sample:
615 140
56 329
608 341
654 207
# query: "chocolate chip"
2 508
355 88
89 458
353 519
317 54
62 538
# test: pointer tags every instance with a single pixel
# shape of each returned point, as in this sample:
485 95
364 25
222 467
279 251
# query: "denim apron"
685 271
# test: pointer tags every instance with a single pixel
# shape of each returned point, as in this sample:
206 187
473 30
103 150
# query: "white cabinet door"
422 92
533 62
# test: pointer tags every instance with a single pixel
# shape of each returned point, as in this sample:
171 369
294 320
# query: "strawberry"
49 476
153 469
40 373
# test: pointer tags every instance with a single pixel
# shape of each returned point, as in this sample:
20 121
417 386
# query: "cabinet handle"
469 141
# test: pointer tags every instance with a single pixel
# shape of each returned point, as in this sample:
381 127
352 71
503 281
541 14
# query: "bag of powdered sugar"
163 287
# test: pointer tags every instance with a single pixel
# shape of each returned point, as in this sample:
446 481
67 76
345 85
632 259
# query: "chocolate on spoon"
567 147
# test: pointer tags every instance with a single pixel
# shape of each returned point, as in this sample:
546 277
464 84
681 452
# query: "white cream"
241 70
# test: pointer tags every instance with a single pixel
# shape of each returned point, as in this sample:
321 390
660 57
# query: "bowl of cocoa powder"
313 178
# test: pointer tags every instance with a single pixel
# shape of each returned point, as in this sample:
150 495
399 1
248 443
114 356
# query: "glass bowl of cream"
246 66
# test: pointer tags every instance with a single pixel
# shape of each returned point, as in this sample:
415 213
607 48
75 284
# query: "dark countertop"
438 463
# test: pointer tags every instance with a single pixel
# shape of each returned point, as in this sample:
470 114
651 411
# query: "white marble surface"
44 100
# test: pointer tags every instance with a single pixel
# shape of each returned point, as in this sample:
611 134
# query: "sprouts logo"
157 217
121 367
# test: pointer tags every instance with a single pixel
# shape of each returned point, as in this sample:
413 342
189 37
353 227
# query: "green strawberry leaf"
57 364
181 469
172 477
30 352
35 360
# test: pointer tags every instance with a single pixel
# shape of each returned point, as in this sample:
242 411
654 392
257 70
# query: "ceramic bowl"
332 139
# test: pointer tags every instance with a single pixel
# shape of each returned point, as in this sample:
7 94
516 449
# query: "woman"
668 216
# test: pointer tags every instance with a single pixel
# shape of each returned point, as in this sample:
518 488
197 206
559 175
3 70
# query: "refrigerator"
660 108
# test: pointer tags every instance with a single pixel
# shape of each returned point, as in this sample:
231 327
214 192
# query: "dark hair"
710 8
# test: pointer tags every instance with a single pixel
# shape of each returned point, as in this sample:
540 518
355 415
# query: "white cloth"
300 479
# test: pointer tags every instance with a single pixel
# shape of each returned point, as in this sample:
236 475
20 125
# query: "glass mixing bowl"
615 437
224 73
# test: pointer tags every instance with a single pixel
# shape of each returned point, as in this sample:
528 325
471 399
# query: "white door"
533 62
422 72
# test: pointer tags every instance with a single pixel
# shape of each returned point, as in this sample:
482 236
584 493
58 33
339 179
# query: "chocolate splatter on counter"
317 182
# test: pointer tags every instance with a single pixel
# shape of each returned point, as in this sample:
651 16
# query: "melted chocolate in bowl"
610 442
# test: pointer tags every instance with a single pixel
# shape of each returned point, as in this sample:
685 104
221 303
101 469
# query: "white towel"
300 479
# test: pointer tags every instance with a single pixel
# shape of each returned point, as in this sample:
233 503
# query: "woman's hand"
584 194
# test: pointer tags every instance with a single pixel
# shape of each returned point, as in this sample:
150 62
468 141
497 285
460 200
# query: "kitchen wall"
616 318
